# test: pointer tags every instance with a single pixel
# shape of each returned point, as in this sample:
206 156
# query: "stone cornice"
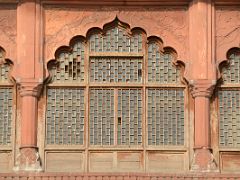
202 87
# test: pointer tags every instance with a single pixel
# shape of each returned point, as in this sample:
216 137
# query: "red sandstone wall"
57 24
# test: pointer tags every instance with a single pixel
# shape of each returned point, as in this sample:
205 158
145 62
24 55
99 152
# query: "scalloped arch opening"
131 32
107 26
226 62
3 56
232 51
6 65
62 49
76 39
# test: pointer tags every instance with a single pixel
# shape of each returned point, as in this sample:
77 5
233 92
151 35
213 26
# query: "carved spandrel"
227 30
8 27
171 25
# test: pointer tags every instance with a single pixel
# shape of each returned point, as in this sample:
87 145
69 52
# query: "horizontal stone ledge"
114 176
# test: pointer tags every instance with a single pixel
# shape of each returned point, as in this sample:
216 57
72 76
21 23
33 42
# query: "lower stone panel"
116 176
230 162
5 161
153 161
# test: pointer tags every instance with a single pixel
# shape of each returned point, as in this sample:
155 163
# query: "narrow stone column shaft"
202 128
203 160
28 122
28 158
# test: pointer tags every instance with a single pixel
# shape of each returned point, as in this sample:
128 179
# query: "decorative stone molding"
28 160
202 87
203 161
30 88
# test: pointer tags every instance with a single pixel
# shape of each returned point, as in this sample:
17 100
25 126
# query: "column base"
203 161
28 160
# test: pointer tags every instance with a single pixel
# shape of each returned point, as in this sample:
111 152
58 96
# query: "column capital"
202 87
30 87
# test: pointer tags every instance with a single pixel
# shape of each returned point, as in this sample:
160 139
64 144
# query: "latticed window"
116 88
229 103
6 102
65 116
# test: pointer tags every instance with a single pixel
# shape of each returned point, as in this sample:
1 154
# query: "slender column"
28 158
29 76
201 91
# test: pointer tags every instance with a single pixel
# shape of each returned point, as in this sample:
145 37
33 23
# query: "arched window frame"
229 87
144 85
7 115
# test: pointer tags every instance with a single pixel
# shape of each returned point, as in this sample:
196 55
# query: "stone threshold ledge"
116 176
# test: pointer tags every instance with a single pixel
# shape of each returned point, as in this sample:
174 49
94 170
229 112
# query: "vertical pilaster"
203 159
29 75
203 80
28 159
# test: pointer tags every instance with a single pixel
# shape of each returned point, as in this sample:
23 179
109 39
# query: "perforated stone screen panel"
4 72
115 69
165 116
129 120
229 121
160 67
231 73
116 39
123 74
6 114
65 116
70 65
101 120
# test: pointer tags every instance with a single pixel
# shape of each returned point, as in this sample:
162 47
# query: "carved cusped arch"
69 62
116 39
6 66
228 99
163 60
229 69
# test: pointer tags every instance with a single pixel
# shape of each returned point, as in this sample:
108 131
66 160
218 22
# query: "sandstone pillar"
28 158
203 159
29 76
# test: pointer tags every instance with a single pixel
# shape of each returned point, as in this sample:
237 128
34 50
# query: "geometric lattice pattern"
160 68
231 73
101 122
6 113
115 114
65 116
129 116
4 68
70 66
229 118
116 39
165 116
4 71
116 70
